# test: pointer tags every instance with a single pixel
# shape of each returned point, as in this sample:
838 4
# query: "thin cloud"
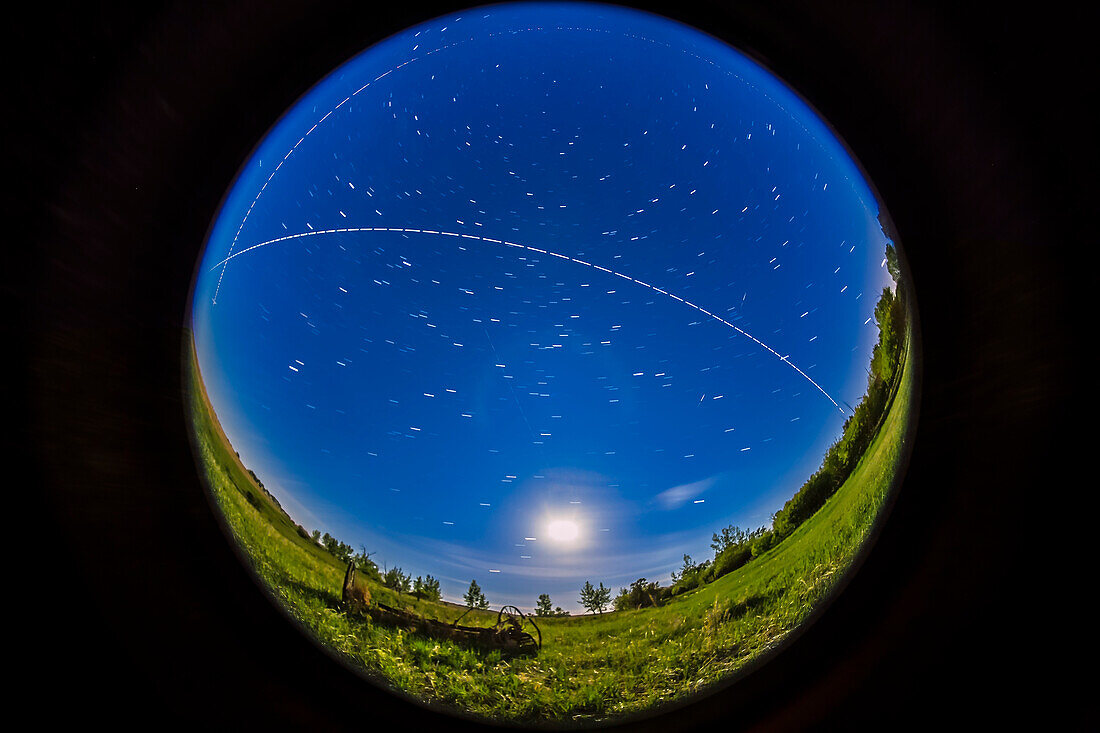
678 495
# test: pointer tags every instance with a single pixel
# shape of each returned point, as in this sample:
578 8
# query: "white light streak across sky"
426 54
490 240
440 394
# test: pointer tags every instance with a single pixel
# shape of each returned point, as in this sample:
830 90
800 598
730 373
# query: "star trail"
541 266
490 240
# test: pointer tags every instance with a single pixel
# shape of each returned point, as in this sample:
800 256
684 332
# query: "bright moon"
562 530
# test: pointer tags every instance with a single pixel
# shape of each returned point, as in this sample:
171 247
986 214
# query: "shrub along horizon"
588 669
733 546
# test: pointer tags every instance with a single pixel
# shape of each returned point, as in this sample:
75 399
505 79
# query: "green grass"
591 667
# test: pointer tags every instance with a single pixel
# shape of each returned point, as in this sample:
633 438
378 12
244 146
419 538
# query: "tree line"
862 425
733 546
422 587
594 599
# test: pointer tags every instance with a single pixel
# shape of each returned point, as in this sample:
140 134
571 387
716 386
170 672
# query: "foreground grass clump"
590 667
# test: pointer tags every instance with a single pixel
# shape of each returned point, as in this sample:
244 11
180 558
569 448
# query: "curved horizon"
443 405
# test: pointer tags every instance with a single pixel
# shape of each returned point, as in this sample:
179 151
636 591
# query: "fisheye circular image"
551 363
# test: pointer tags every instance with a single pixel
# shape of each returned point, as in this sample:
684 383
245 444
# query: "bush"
397 580
763 543
860 427
692 579
731 559
642 593
369 569
811 497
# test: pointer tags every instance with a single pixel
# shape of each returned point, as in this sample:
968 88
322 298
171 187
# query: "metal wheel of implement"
512 616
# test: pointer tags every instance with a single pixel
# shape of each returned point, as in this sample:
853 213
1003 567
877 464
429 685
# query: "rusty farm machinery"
507 634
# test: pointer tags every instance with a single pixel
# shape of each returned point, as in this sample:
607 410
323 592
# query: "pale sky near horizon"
595 266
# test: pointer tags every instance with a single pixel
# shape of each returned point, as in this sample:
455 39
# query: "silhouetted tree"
431 588
763 543
366 566
603 598
686 569
840 460
729 537
595 599
343 551
397 580
543 608
641 594
474 597
892 262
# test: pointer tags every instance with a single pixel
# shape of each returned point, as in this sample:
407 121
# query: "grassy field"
591 668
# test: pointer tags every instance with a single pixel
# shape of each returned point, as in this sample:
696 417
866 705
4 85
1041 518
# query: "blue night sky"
634 249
